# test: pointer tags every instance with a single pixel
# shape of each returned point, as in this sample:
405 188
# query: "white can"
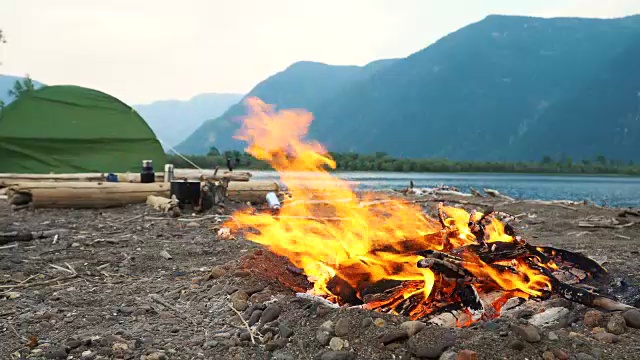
272 200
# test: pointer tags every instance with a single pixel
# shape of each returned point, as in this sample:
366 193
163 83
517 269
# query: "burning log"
253 191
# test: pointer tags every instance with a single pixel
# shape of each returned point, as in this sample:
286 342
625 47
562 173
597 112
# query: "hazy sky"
146 50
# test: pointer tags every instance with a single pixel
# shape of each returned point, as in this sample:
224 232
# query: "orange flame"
329 232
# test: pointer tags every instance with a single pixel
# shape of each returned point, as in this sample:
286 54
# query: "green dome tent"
71 129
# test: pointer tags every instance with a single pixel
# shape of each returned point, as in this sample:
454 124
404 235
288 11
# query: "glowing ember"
385 255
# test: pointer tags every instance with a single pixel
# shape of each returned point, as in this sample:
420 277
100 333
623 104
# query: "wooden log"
253 191
9 179
83 195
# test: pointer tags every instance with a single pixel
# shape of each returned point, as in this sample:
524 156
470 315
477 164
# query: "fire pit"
384 254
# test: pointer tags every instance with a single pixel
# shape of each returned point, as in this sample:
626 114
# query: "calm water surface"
602 190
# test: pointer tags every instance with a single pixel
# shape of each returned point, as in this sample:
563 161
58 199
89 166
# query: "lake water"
603 190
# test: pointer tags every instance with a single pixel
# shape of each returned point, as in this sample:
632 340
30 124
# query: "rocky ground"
119 285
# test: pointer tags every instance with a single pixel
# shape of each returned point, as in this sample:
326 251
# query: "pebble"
379 322
323 334
285 330
281 356
211 343
229 289
276 344
239 300
548 355
338 355
393 336
592 318
322 310
448 355
606 337
242 273
270 313
342 328
217 272
527 332
245 336
120 349
255 317
156 356
559 354
583 356
87 355
193 224
467 355
336 343
73 344
517 345
56 353
255 289
632 317
617 324
412 327
366 322
552 336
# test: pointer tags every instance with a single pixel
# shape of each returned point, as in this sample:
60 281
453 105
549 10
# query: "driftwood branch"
6 238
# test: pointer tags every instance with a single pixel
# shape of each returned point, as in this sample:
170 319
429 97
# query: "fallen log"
10 179
164 204
497 194
83 194
253 191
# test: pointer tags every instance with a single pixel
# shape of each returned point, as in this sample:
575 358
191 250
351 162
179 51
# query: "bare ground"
110 262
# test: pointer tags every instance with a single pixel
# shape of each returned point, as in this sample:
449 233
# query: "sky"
146 50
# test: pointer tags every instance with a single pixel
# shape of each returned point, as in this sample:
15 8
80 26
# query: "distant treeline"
383 162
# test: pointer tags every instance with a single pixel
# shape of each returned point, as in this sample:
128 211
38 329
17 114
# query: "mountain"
505 88
173 120
303 84
6 84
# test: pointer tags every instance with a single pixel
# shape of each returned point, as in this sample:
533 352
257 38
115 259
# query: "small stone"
342 328
366 322
549 317
285 330
617 324
211 344
338 355
270 313
56 353
276 344
255 317
583 356
394 336
217 272
322 310
281 356
548 355
559 354
605 337
239 300
324 332
336 343
193 224
597 330
245 336
139 312
88 355
632 317
379 322
156 356
73 344
229 289
120 349
527 332
552 336
592 318
412 327
255 289
517 345
448 355
467 355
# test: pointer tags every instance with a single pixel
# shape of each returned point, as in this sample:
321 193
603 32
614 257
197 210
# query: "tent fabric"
71 129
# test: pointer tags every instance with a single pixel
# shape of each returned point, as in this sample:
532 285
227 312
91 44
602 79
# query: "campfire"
383 253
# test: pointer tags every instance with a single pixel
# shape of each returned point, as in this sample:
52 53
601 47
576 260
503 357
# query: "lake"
613 191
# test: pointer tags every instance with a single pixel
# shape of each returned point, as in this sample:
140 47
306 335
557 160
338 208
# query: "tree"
3 40
21 87
213 151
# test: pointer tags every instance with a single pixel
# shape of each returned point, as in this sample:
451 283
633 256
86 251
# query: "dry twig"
244 322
